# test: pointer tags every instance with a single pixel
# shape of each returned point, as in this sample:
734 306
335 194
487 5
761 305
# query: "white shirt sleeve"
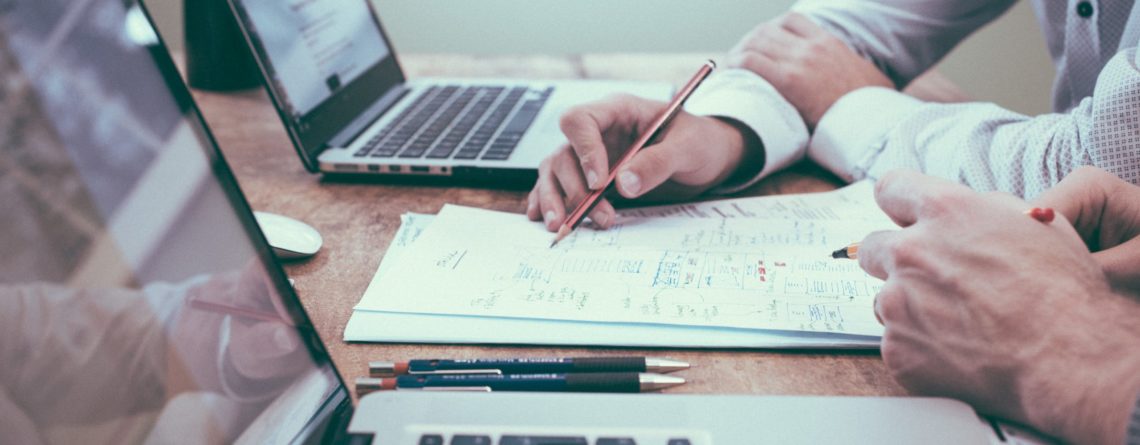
903 38
873 130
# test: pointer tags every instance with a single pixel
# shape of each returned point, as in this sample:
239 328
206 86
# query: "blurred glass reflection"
133 306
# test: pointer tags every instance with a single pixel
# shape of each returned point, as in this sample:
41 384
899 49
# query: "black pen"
538 365
585 382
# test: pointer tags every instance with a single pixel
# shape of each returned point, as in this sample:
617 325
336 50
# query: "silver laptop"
349 109
139 302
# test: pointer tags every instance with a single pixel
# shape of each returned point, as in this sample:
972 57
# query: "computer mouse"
289 238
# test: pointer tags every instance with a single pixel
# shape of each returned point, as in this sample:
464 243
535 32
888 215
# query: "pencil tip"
839 254
562 232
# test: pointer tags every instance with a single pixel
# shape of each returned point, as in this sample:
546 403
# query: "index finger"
907 195
585 127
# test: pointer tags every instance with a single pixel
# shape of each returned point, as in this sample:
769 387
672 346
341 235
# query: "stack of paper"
750 272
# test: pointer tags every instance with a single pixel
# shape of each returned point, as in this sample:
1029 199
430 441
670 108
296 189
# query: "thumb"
647 170
1119 266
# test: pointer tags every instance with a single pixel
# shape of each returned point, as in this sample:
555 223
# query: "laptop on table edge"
354 112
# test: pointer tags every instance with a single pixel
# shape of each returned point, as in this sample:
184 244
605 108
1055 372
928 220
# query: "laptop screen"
325 44
325 63
138 301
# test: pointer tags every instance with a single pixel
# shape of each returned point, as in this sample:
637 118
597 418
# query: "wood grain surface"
358 221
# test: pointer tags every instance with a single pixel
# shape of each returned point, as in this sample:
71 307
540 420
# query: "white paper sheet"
767 270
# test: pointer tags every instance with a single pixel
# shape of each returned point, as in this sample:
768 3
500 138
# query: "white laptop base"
418 417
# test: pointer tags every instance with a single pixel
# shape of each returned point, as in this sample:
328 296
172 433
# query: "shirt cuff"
745 97
853 132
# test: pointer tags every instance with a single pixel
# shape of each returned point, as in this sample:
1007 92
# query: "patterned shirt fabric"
1096 98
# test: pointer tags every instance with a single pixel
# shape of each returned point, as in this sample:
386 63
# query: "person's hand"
260 354
1014 316
1106 212
696 154
810 67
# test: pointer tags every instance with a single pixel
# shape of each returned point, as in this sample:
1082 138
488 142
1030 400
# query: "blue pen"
584 382
529 365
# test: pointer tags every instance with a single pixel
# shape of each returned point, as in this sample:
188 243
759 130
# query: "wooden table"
359 220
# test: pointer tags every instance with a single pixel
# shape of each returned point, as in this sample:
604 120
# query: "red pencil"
575 218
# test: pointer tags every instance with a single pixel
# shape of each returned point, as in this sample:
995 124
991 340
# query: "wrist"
746 152
1089 390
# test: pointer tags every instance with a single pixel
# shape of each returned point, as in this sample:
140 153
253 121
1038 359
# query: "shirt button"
1084 9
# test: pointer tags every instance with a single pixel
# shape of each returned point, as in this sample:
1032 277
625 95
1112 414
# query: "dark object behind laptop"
217 58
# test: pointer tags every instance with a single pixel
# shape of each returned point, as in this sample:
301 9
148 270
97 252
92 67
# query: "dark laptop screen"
325 62
138 303
320 46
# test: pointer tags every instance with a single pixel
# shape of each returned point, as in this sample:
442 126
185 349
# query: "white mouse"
289 238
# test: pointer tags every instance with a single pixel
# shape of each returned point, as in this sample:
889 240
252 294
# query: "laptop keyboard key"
680 441
471 440
615 441
466 153
542 440
431 439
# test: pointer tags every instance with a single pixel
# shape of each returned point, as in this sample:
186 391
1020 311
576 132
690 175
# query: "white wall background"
1005 63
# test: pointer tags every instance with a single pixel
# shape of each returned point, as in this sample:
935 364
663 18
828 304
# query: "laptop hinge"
367 117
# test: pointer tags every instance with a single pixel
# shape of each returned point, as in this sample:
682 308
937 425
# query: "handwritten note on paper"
850 203
749 273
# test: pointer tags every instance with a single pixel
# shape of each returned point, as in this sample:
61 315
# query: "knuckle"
544 167
572 118
943 201
889 349
563 156
749 61
891 305
906 250
654 164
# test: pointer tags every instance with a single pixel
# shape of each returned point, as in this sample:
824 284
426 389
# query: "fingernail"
630 182
602 220
530 207
592 179
549 217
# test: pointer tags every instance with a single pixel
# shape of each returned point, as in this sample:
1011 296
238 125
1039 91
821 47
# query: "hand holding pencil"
698 153
655 131
851 252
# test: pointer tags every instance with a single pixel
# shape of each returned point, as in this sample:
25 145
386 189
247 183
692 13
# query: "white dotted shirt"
869 131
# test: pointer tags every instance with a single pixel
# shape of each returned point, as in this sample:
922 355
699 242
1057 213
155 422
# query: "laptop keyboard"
459 123
437 439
